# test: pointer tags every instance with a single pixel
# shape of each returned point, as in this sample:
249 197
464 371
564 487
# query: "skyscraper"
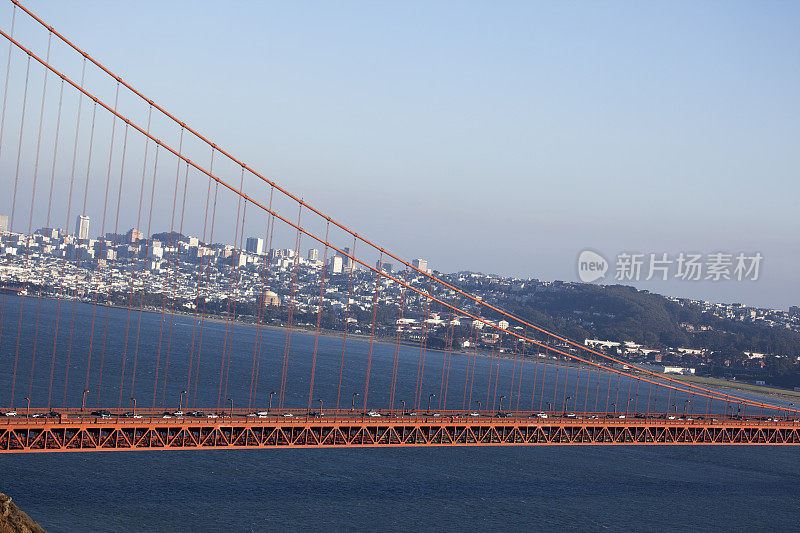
254 245
335 264
82 227
421 264
313 254
347 264
3 223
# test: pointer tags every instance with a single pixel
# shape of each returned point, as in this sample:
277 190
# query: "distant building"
383 266
421 264
313 254
335 265
678 370
3 223
82 227
594 343
348 262
133 236
270 298
50 233
254 245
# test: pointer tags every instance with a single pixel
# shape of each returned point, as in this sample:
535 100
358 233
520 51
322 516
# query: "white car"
288 415
212 415
373 414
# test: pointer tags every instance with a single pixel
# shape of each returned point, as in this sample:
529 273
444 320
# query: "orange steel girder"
92 434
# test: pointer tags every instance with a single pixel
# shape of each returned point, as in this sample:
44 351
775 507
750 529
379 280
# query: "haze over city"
533 131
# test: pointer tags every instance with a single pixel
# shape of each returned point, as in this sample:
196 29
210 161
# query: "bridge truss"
92 318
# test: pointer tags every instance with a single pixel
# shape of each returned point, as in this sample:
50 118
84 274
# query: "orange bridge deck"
92 434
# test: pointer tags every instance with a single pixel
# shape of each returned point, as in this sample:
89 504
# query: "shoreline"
716 383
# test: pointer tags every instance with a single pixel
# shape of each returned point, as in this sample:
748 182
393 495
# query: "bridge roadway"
73 430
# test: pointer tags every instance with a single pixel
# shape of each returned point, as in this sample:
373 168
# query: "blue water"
491 488
458 489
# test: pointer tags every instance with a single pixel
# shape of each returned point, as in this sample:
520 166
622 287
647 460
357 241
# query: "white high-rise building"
254 245
82 227
421 264
336 264
3 223
313 254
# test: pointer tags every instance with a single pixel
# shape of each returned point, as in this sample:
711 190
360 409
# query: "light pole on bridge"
566 402
479 406
83 402
28 407
500 407
353 406
180 400
231 401
269 404
133 401
403 403
430 396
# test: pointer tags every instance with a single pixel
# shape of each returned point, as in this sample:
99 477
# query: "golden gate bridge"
82 318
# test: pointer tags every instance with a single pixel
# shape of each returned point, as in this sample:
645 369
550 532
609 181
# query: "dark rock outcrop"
13 520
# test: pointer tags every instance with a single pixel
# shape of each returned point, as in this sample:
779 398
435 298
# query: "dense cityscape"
178 273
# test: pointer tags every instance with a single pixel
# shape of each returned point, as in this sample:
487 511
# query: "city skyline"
254 247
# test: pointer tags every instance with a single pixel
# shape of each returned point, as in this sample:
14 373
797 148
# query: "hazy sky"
503 137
